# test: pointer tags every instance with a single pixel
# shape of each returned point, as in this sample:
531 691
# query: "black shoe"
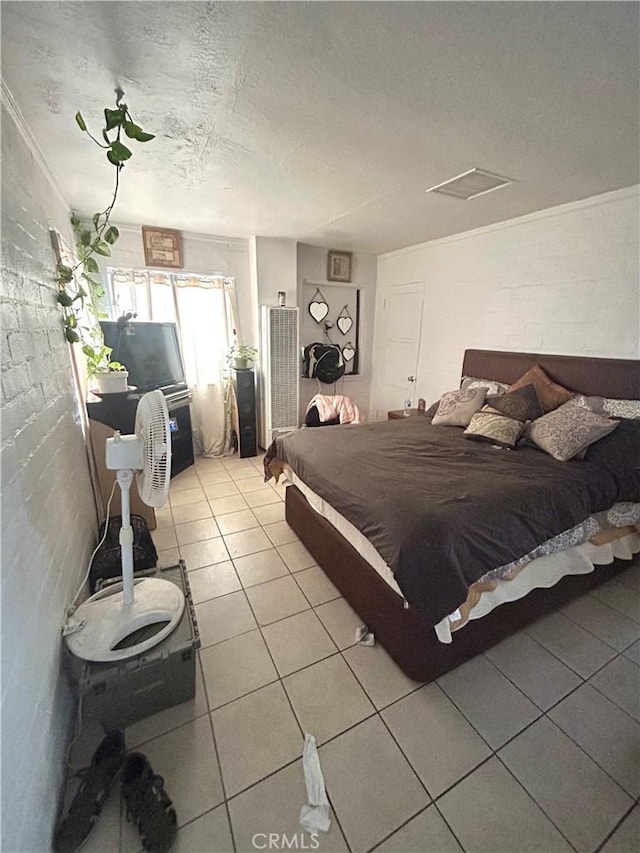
87 804
148 805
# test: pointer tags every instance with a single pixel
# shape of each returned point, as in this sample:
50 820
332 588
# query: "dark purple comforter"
442 510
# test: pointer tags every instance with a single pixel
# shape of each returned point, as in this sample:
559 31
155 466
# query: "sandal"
148 805
87 804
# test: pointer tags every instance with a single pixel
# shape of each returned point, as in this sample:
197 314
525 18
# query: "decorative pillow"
522 404
609 406
492 385
456 408
568 430
494 428
433 408
550 394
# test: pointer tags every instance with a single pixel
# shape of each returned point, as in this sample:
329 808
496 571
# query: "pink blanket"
336 406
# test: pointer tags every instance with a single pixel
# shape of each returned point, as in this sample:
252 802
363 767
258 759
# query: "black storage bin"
107 562
120 693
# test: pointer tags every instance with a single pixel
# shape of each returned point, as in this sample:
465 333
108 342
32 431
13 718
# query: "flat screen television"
149 351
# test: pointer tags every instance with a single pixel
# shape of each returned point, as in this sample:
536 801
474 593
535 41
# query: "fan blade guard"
152 427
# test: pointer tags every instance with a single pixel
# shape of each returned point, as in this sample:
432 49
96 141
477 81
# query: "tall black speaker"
244 389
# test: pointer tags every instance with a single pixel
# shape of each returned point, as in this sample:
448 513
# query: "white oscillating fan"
101 624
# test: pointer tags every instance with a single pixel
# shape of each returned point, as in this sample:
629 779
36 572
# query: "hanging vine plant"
77 287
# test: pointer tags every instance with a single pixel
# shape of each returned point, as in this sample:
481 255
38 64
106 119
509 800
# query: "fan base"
107 621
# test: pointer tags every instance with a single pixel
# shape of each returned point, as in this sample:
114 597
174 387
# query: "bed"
404 623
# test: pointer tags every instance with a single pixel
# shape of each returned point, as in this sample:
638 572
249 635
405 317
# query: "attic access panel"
471 184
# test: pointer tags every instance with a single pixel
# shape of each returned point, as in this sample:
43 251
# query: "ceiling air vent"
470 184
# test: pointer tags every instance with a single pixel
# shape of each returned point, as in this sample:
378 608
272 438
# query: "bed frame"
410 642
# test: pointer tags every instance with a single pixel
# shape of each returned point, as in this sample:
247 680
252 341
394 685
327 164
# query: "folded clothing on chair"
334 406
312 418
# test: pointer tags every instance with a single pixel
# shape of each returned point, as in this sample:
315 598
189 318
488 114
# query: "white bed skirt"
544 572
541 572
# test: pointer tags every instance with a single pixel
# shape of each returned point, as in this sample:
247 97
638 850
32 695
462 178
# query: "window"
204 310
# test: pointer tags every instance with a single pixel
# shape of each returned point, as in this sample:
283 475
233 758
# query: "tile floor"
534 746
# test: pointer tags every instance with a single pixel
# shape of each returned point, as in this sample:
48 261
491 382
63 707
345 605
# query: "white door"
402 309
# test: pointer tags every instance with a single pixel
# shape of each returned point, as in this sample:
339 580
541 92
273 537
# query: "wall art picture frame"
338 266
162 247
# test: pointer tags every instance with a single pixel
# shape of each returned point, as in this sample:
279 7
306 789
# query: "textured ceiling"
325 122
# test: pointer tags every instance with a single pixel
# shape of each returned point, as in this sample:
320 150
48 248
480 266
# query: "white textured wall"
275 260
564 280
312 267
48 515
272 269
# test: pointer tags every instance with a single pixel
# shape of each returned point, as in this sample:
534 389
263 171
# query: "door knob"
411 378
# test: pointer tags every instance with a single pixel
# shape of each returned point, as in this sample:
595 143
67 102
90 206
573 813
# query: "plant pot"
112 381
241 363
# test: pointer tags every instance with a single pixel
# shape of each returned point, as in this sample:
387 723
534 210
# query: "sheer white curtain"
203 307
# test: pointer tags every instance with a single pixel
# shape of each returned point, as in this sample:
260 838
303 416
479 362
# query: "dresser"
392 414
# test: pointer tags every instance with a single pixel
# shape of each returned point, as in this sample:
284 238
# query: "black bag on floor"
107 562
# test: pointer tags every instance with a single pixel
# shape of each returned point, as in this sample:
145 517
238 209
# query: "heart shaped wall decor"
318 307
318 310
344 324
348 352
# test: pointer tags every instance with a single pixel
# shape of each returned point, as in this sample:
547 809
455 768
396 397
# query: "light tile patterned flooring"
534 746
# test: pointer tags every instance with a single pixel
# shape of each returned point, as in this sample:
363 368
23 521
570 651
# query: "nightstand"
394 414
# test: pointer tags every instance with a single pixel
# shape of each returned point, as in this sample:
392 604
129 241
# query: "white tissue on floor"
316 816
364 637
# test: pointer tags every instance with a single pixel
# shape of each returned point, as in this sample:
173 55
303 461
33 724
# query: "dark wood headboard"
606 377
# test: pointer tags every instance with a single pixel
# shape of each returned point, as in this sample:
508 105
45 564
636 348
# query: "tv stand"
118 411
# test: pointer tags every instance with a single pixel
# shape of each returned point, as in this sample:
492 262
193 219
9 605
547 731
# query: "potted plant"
77 287
241 356
110 377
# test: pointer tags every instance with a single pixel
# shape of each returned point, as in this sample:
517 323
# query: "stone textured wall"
48 514
563 280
